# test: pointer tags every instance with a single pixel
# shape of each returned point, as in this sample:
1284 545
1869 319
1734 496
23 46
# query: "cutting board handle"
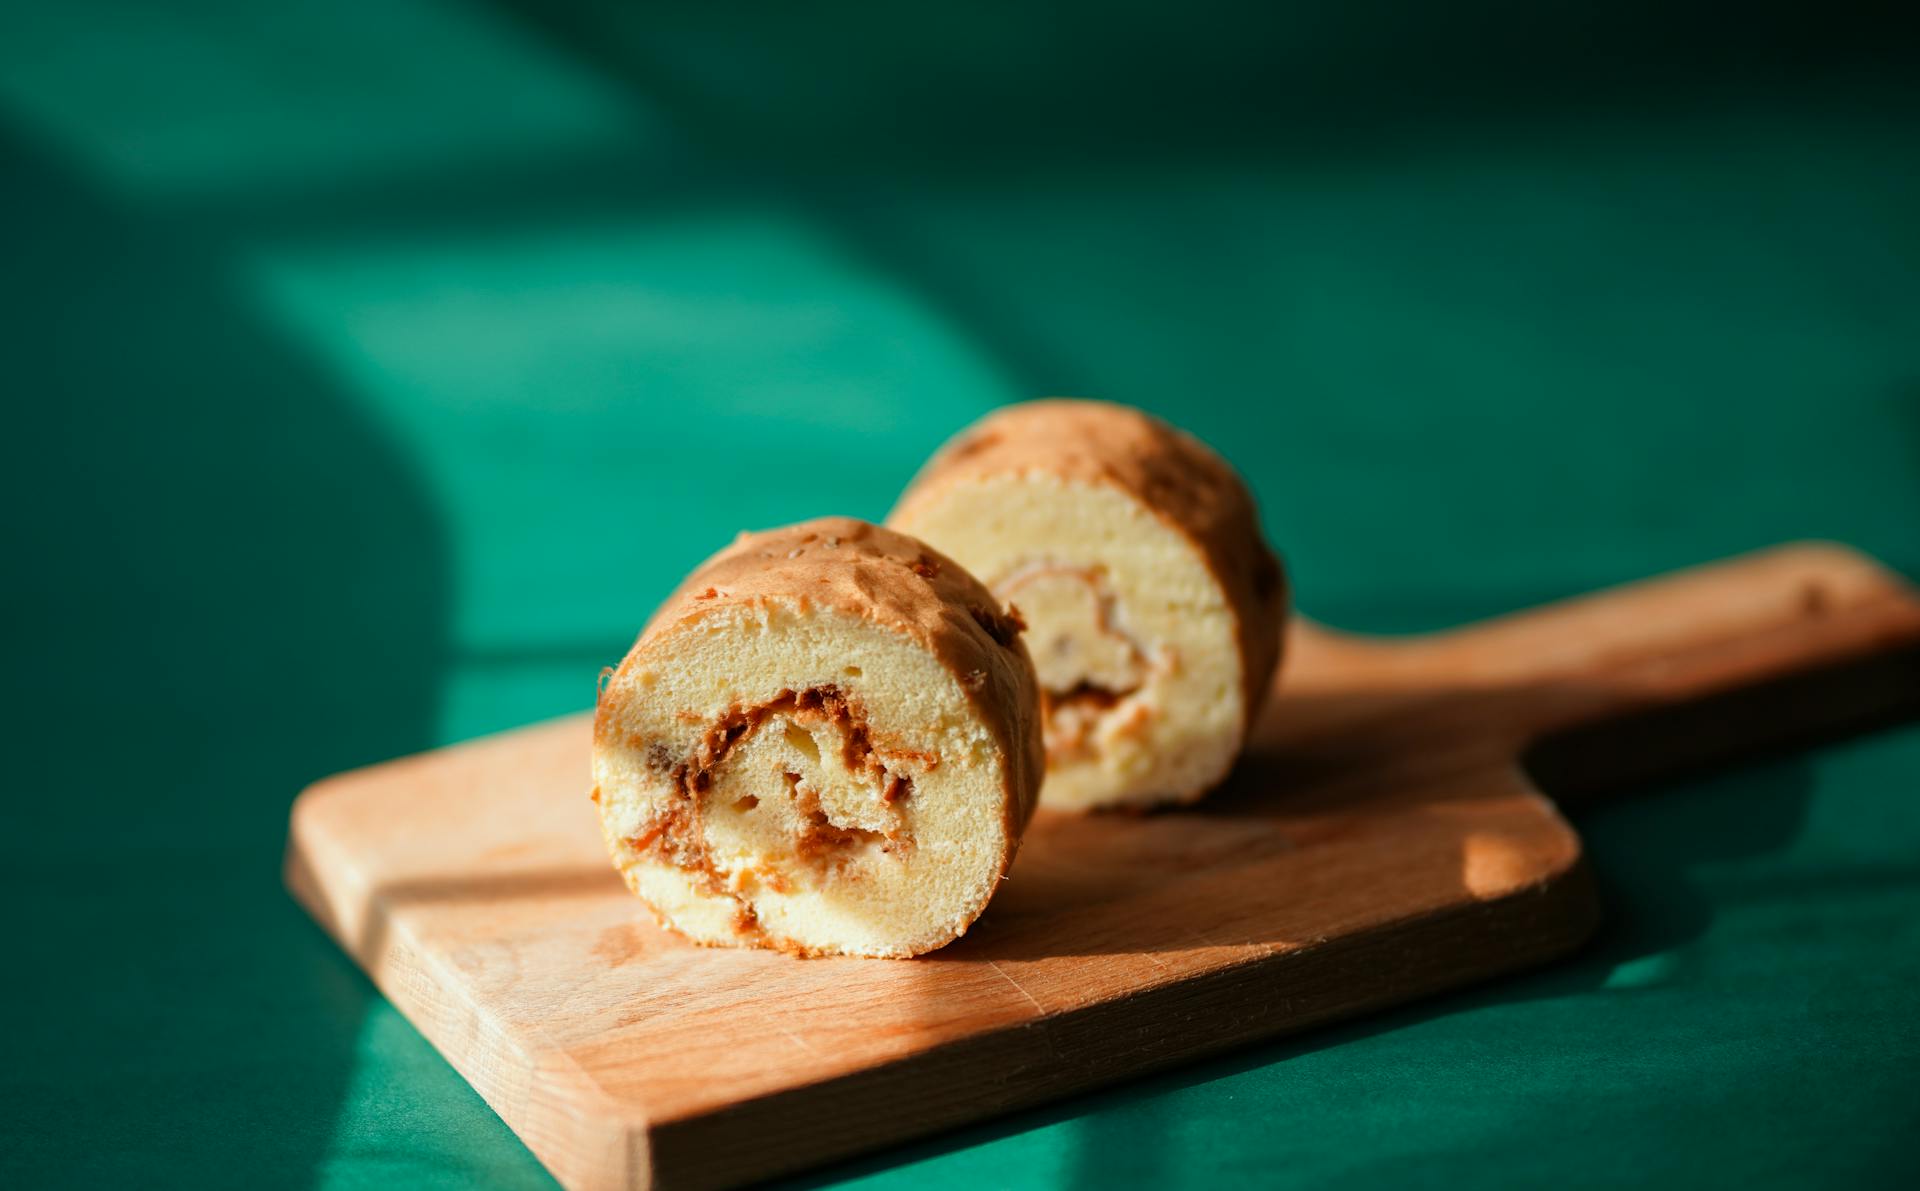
1767 651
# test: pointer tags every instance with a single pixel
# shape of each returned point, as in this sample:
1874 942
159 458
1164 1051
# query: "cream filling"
1091 668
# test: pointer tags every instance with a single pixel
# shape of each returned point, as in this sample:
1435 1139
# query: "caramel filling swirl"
1089 666
831 793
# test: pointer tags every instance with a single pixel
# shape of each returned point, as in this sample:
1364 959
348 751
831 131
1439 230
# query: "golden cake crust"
1176 476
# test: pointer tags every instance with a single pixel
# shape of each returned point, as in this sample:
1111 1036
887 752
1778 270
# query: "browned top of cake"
1167 470
901 583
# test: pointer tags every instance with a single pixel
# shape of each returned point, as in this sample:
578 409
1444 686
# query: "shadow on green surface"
843 89
841 113
222 585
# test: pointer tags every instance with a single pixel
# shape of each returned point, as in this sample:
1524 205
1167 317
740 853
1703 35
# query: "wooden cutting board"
1382 841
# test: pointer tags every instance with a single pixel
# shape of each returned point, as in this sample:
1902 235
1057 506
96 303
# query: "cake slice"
826 741
1135 555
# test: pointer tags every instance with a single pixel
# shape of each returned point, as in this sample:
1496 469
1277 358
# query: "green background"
371 369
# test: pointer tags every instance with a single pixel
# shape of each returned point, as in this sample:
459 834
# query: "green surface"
370 370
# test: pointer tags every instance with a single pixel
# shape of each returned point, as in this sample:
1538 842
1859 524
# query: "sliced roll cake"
1134 553
826 741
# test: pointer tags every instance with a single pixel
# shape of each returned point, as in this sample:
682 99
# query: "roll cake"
825 741
1155 607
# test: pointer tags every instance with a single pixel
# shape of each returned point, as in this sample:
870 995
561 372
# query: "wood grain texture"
1380 842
